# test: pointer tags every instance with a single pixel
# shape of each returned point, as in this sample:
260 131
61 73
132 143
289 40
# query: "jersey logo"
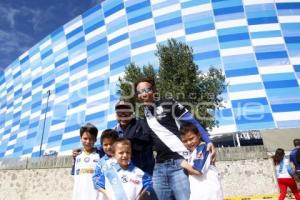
200 156
86 159
160 113
159 110
124 178
135 181
87 171
180 106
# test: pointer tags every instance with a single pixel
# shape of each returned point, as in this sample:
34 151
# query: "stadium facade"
71 76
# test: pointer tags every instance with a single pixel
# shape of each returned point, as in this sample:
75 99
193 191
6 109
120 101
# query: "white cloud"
41 17
8 15
22 25
11 42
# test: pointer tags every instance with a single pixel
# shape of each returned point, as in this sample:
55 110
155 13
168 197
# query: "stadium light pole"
238 139
45 117
233 138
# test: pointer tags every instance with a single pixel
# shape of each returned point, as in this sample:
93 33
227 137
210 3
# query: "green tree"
179 78
178 73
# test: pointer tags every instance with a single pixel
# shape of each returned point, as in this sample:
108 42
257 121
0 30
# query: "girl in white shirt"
284 178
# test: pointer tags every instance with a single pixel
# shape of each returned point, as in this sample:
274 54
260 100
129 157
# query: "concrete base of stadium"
245 171
280 138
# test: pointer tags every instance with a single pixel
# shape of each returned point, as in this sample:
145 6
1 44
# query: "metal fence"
46 162
242 153
49 162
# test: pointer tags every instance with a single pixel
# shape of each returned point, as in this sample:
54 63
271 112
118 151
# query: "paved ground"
264 197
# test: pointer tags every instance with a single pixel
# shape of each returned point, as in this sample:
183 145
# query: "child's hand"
144 194
75 152
184 164
104 193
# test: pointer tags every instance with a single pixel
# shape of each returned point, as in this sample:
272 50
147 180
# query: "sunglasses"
145 90
124 113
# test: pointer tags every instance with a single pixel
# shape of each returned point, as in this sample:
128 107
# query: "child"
85 164
283 175
123 180
204 178
108 137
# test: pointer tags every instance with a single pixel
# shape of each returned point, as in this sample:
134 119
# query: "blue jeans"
170 181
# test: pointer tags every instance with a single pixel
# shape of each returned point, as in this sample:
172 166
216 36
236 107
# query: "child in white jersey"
107 139
204 178
85 164
123 180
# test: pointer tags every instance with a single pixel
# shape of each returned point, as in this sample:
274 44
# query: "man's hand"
75 152
212 150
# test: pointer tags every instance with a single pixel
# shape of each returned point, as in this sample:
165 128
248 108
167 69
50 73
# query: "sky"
23 23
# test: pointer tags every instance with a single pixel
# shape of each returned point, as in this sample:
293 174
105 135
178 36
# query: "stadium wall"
245 171
70 77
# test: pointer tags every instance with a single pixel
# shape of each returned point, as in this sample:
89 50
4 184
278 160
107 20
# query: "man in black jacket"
138 132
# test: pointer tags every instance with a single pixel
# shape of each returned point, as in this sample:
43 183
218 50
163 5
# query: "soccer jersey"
282 170
85 165
164 120
138 133
124 184
103 164
208 185
98 150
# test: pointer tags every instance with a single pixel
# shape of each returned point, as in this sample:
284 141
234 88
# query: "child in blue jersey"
107 139
204 178
122 180
85 164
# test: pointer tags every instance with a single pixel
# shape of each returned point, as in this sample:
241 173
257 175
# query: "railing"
241 153
48 162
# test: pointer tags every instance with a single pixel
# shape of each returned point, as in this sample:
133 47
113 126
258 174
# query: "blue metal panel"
237 49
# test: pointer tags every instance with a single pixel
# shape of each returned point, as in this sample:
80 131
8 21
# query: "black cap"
122 104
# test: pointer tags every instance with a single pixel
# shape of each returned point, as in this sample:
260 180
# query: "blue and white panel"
201 34
289 18
98 67
168 20
70 77
118 48
141 30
